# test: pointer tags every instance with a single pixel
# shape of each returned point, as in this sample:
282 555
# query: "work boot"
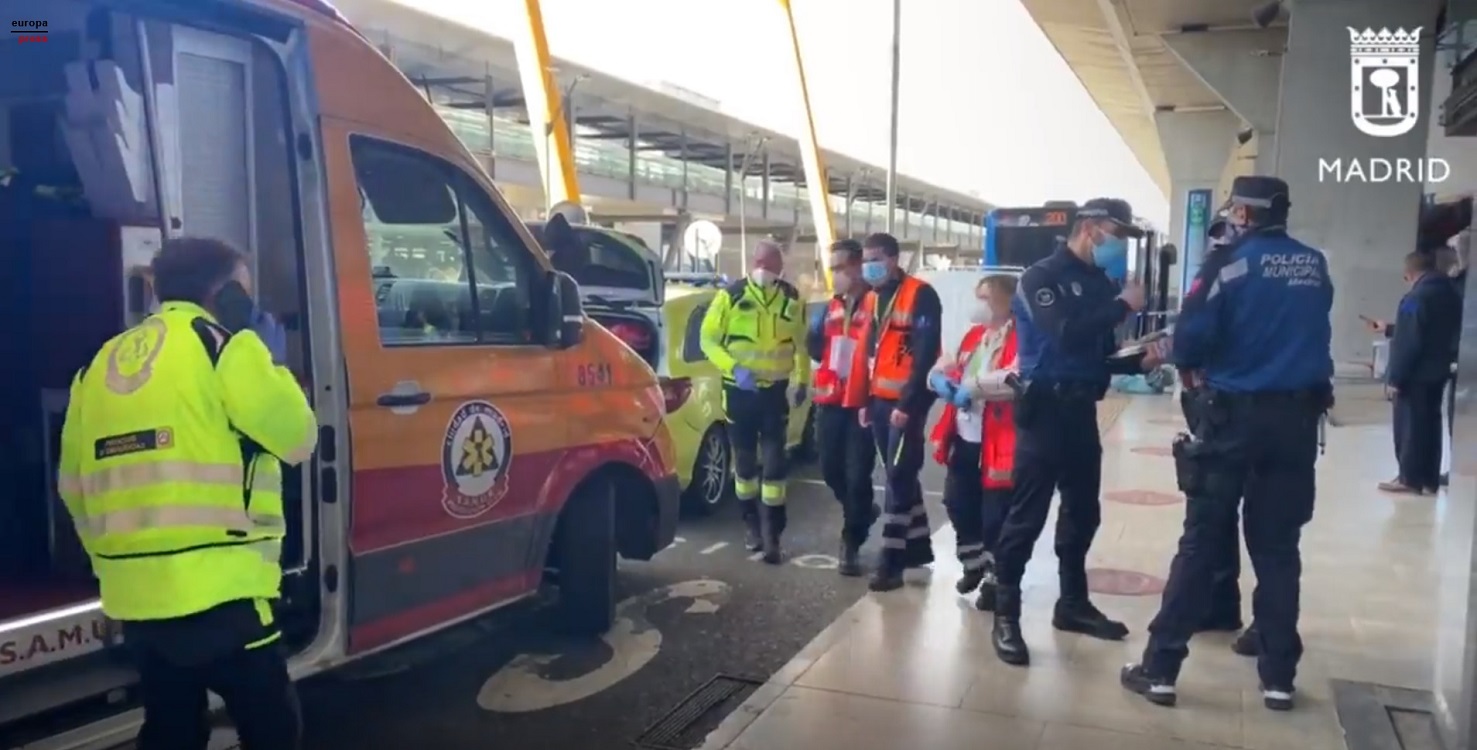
1246 643
753 538
1078 615
1158 691
773 527
850 560
985 602
1010 645
888 576
969 581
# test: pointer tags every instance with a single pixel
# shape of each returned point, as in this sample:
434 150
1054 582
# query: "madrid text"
1420 171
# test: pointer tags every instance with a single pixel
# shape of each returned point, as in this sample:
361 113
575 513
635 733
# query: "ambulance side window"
446 267
692 340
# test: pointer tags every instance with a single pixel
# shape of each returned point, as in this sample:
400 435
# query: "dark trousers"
1417 431
848 458
1057 448
758 423
975 512
1225 589
1262 462
179 660
905 532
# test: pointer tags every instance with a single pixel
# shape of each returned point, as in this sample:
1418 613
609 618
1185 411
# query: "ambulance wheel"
712 474
585 549
805 450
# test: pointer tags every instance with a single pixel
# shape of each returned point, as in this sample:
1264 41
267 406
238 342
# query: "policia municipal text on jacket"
754 332
903 344
1261 335
171 468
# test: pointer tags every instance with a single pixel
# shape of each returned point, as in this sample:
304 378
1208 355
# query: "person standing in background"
1422 350
754 333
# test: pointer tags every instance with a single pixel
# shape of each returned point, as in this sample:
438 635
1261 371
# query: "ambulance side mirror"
566 311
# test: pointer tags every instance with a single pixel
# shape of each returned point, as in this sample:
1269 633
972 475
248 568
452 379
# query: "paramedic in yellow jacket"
755 333
171 468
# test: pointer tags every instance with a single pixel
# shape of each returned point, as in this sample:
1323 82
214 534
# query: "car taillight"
635 336
675 391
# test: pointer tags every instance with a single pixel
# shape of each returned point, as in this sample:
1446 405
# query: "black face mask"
234 308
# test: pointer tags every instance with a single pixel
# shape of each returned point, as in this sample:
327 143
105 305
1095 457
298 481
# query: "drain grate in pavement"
685 726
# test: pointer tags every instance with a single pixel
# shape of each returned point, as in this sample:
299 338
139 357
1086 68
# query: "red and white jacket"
987 386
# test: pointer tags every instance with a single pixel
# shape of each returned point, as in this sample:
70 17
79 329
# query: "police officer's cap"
1259 191
1116 210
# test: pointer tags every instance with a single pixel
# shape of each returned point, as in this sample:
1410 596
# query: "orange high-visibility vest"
892 359
832 387
997 451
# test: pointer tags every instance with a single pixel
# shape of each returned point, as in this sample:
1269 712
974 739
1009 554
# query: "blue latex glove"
272 334
799 396
961 398
743 377
818 320
940 384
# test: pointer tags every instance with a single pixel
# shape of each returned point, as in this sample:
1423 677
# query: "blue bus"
1022 236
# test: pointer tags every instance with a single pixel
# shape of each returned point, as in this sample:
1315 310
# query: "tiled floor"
914 668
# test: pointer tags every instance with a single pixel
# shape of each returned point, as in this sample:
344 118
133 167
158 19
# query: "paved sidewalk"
914 668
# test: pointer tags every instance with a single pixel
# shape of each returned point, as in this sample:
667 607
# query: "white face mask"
763 276
981 314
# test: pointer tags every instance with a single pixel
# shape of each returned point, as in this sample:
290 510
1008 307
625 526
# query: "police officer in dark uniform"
1225 609
1067 311
1261 336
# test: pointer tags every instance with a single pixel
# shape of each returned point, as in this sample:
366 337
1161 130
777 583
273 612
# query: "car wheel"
585 549
712 473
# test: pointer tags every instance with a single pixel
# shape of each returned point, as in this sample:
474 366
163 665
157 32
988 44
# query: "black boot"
1155 690
888 577
1246 644
753 539
850 560
774 521
985 602
969 581
1077 615
1006 636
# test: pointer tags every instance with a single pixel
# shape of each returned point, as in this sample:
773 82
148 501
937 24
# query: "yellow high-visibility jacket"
171 465
761 329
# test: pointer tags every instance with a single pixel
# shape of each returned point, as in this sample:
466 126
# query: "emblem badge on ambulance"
475 459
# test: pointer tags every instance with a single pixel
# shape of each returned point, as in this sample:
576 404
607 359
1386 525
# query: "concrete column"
1197 146
1363 221
1244 69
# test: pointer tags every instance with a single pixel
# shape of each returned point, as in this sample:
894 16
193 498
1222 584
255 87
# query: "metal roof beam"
1120 34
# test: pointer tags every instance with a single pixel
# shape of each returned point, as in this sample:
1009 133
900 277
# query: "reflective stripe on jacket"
171 465
834 388
759 329
892 359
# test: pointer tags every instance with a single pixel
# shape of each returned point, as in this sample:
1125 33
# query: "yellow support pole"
817 184
546 110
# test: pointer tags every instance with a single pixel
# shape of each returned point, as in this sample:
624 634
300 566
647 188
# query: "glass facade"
609 158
